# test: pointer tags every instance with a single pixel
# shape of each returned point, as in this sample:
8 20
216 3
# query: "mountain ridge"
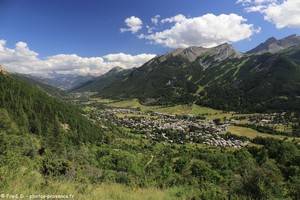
220 78
192 53
273 45
102 81
63 81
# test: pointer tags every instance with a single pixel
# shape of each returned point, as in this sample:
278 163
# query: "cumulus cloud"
207 31
133 24
283 14
23 60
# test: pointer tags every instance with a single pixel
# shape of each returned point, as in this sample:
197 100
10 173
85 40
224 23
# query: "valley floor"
273 125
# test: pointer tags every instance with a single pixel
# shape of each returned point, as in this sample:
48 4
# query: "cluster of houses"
171 128
271 119
267 120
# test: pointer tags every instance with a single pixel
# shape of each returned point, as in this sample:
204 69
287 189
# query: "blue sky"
91 28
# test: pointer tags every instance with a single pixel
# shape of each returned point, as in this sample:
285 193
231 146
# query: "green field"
176 109
251 133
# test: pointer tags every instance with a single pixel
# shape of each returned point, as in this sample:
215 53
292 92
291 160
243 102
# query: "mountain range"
272 45
265 78
34 81
62 81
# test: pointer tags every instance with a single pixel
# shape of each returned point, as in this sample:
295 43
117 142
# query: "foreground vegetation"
149 170
76 190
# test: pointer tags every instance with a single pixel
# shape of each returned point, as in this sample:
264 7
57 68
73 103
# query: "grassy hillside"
81 191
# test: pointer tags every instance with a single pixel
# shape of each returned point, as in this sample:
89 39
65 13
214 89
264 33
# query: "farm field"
176 109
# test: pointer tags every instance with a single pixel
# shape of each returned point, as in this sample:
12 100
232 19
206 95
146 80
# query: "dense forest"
35 112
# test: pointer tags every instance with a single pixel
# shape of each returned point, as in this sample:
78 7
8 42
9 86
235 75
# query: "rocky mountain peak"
292 40
271 40
272 45
218 54
293 36
222 52
190 53
225 49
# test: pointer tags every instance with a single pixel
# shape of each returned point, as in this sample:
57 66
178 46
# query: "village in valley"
171 128
184 128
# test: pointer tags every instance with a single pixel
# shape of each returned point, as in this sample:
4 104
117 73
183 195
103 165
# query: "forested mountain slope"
37 113
218 77
99 83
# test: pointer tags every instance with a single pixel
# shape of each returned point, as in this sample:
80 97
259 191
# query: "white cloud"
283 14
256 2
155 19
126 60
178 18
150 29
134 24
23 60
207 31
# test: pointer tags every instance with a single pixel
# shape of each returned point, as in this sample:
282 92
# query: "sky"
92 36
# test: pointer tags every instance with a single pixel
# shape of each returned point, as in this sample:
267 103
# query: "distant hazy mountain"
99 83
272 45
50 90
64 81
219 77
